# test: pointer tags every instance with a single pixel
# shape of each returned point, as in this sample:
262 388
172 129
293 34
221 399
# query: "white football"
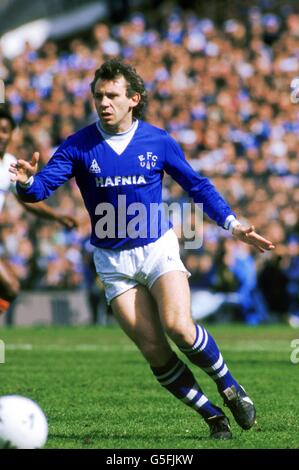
23 424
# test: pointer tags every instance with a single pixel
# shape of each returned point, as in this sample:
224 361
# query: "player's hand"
249 236
68 221
23 170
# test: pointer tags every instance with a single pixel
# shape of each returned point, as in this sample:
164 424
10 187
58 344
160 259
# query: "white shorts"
120 270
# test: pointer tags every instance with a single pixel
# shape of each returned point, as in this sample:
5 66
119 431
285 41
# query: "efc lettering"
148 161
119 181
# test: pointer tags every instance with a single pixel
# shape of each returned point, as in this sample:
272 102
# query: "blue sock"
178 379
205 353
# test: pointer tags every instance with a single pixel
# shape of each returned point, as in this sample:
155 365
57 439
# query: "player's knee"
177 330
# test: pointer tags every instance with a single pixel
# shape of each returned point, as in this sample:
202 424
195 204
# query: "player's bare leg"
172 294
137 313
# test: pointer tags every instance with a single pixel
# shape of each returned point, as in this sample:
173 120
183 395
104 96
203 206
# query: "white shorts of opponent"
120 270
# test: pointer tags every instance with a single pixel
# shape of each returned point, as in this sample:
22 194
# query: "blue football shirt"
111 184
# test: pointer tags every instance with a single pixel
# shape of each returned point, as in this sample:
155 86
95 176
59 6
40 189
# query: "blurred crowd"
223 92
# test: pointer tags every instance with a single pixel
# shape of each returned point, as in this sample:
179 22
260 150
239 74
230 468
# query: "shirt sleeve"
198 187
58 170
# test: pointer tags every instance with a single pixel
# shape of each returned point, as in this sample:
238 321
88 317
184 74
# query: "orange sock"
3 305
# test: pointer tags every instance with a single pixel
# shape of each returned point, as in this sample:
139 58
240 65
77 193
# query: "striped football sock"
178 379
205 353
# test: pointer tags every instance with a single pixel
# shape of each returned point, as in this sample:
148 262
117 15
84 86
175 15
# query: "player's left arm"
202 190
199 187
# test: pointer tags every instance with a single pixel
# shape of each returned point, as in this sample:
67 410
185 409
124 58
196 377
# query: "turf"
98 392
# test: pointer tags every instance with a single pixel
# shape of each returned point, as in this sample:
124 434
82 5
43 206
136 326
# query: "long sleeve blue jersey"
135 176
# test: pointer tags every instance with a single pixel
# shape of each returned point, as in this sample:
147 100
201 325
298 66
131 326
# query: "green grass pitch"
98 392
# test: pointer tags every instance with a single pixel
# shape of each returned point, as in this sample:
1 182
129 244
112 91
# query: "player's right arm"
22 170
34 186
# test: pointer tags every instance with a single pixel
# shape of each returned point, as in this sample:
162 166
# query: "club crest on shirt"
148 160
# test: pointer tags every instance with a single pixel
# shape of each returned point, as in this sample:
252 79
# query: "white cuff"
27 183
233 224
230 223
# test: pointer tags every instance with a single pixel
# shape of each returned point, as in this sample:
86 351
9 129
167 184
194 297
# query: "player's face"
5 134
114 107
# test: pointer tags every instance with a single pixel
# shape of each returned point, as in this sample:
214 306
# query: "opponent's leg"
9 286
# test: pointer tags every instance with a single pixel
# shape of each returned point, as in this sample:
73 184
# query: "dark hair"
5 114
114 68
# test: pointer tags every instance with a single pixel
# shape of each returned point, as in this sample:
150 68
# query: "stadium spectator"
273 283
291 271
241 264
221 89
11 273
119 161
